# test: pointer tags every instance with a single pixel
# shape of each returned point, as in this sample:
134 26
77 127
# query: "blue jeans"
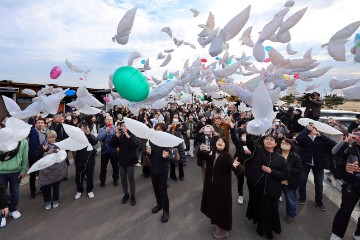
291 201
318 180
13 180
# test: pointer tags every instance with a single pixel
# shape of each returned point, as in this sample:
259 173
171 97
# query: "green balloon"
131 84
229 61
171 76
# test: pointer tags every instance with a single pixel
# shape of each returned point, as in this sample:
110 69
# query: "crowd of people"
279 161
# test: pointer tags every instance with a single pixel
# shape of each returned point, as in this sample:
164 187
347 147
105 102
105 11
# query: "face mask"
68 118
285 147
243 138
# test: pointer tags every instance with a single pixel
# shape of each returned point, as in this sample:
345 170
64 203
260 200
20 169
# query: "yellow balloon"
222 80
287 77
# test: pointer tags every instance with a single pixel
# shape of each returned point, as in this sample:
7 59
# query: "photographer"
348 153
85 164
128 145
312 104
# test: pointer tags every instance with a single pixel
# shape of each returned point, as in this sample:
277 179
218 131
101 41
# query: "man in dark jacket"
4 204
159 167
85 164
128 145
315 148
36 138
295 126
348 154
312 106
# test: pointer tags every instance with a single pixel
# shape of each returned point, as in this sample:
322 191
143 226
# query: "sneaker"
186 153
3 222
78 195
33 195
138 165
102 184
302 202
335 237
48 206
125 198
55 204
241 200
91 195
289 220
355 237
15 214
133 201
191 155
321 207
156 209
116 184
280 199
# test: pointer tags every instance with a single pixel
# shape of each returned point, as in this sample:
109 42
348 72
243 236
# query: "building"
13 90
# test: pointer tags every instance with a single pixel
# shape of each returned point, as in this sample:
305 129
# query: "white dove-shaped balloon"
262 109
167 30
44 104
15 130
234 26
134 55
73 67
124 27
336 44
28 92
48 161
246 38
335 83
289 50
76 140
161 56
166 61
352 93
195 12
159 138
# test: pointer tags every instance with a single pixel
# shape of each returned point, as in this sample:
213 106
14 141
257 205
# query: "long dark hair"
226 149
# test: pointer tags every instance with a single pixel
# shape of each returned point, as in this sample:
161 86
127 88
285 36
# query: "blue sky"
38 35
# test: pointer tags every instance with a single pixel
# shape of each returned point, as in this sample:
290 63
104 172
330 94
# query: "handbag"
6 156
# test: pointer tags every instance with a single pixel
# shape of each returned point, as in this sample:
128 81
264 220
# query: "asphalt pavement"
104 217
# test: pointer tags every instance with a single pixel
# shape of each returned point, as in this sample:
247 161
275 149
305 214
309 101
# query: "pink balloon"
267 60
81 78
106 99
55 72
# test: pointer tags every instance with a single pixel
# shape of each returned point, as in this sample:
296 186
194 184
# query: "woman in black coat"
264 171
216 202
290 185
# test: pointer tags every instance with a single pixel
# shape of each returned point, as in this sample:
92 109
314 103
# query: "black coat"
294 126
84 157
216 202
279 170
295 166
317 150
128 146
4 197
158 164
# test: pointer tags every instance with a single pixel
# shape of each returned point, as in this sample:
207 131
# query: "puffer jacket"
53 173
316 151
